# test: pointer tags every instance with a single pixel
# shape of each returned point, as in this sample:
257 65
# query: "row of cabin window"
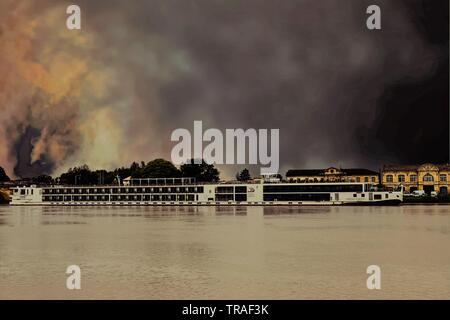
26 191
240 197
313 188
124 190
297 197
228 189
343 179
189 197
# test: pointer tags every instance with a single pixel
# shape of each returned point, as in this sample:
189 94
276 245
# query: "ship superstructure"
184 191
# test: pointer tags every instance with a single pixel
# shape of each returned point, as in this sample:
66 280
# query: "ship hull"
270 194
306 203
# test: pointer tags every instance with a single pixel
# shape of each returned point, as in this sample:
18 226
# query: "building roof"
321 172
399 167
414 167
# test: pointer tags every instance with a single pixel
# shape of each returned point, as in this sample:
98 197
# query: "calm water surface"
225 253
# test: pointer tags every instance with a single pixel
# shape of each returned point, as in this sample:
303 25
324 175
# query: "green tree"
110 177
159 168
121 172
3 176
134 168
201 172
42 179
244 175
82 175
79 176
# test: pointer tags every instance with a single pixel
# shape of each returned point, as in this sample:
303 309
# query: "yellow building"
333 175
427 177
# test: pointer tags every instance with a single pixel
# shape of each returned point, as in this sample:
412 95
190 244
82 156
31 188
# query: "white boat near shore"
181 191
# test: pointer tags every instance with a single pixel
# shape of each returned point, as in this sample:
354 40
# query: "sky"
112 92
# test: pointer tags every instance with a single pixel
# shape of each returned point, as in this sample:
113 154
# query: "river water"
225 252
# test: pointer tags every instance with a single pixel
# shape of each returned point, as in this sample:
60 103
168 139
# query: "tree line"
158 168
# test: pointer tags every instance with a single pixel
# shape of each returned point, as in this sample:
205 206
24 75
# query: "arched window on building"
401 178
443 177
428 178
389 178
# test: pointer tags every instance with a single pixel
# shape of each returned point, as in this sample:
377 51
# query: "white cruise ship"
184 191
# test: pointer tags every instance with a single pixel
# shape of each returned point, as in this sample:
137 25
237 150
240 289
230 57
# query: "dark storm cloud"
310 68
338 92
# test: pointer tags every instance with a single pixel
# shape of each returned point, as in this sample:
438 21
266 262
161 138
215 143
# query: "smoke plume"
113 92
